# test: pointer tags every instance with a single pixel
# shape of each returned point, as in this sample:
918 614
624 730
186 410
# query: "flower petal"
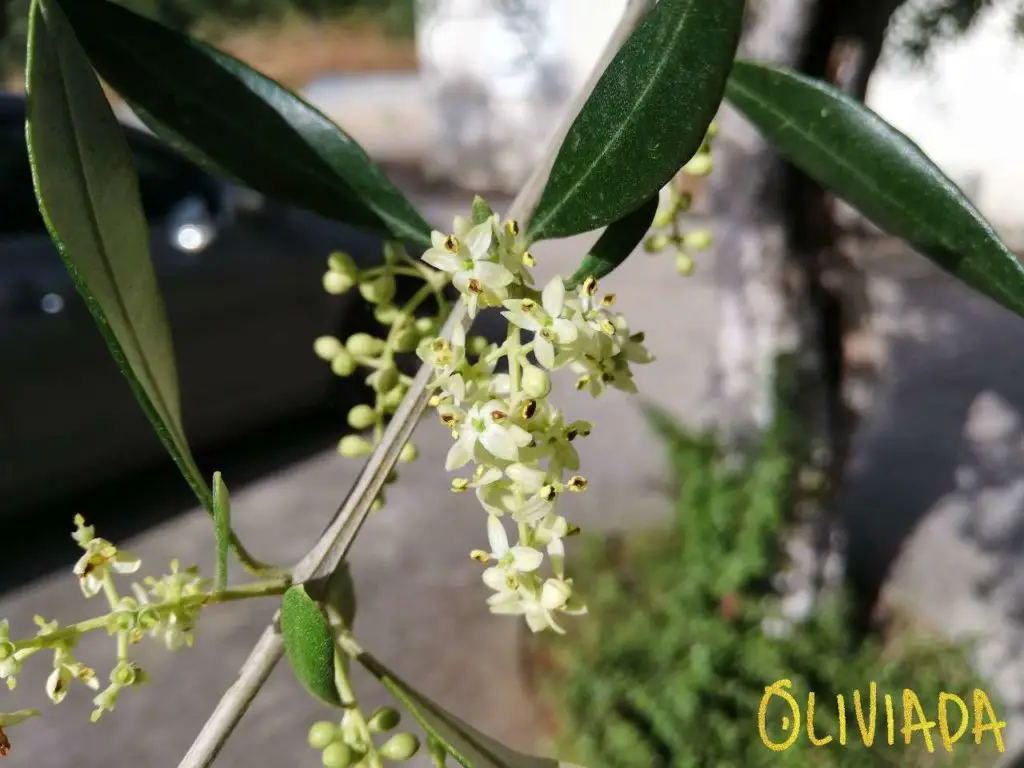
544 351
526 559
492 275
499 442
459 455
496 536
553 297
478 239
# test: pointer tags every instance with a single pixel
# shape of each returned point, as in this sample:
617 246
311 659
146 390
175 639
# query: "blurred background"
873 530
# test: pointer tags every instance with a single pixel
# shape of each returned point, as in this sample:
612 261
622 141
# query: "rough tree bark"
792 306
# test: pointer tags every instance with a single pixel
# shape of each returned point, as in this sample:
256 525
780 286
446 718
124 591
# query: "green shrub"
671 667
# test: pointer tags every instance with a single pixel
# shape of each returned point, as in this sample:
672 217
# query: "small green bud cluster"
667 228
352 743
378 356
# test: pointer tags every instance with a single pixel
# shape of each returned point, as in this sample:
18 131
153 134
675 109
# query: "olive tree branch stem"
339 535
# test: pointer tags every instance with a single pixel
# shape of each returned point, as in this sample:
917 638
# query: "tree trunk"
793 308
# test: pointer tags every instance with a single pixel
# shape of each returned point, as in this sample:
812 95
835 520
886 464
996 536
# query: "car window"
165 180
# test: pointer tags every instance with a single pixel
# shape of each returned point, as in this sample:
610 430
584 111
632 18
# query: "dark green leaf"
88 194
616 243
847 148
645 119
233 120
469 747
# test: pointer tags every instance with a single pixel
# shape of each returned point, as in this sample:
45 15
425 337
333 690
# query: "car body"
241 279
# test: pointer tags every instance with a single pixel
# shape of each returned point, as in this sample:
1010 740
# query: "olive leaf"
847 148
235 121
468 746
646 117
616 243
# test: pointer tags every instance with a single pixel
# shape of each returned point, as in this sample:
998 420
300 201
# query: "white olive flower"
545 320
511 561
101 559
468 260
66 669
489 426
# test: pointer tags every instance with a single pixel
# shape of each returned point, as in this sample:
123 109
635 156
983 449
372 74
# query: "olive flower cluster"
521 445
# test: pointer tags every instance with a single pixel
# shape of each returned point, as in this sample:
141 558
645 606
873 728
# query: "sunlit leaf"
645 119
231 119
847 148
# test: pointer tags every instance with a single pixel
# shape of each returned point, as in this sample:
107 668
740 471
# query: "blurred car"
241 279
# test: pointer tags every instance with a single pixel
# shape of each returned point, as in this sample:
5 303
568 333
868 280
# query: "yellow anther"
459 484
577 484
529 409
480 556
608 300
512 227
451 244
529 260
590 286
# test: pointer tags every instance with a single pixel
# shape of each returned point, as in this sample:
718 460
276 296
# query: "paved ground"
421 599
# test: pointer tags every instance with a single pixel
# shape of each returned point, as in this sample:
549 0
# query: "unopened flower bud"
343 363
477 345
383 719
394 252
352 446
361 417
481 211
364 345
684 264
326 347
338 754
386 314
379 290
391 399
336 283
385 379
699 165
656 243
399 747
342 263
378 503
698 240
536 383
323 733
427 325
407 339
409 453
555 594
665 215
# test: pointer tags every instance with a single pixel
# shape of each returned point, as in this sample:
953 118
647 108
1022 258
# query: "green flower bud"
684 264
343 364
699 165
336 283
712 130
665 215
393 252
323 733
480 210
342 263
385 379
364 345
379 290
378 503
399 747
407 340
384 719
426 325
361 417
338 755
326 347
477 345
350 731
409 453
393 397
123 674
656 243
385 314
685 201
698 240
438 280
535 382
351 446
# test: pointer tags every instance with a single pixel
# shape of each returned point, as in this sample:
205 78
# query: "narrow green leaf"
221 528
616 243
87 189
235 121
309 644
88 194
847 148
469 747
645 118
